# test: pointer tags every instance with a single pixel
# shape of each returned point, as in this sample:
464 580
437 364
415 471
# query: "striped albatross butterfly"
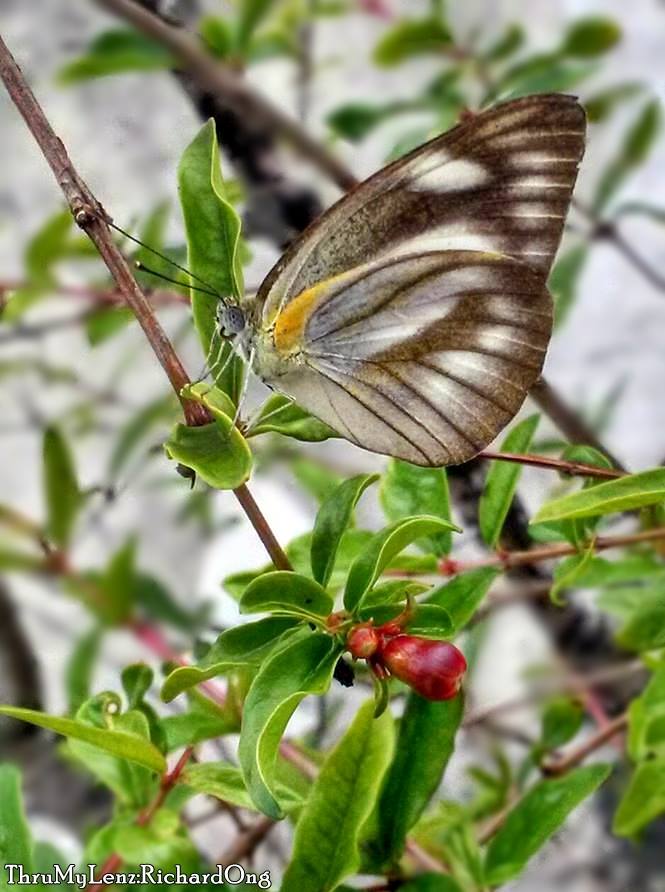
413 316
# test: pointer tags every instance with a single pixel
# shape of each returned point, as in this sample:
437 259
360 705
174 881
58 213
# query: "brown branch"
168 782
246 841
557 767
510 559
566 419
92 218
572 468
227 84
571 682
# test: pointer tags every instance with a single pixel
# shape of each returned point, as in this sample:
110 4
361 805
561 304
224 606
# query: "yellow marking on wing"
290 323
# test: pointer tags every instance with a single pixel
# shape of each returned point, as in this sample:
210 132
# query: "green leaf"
246 645
536 817
325 847
355 120
383 547
463 594
115 52
281 415
302 667
80 667
213 237
425 743
625 494
407 489
501 482
138 428
102 324
643 800
332 520
250 16
15 841
218 779
591 36
646 720
217 452
645 629
217 35
286 592
61 491
541 73
562 719
508 43
564 280
637 143
426 620
411 37
601 105
118 743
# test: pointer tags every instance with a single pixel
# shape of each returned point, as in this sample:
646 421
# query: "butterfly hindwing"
500 181
424 357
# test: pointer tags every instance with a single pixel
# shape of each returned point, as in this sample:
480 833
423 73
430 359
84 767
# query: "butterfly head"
231 321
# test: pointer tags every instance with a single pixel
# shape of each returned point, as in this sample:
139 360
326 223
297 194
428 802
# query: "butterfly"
413 316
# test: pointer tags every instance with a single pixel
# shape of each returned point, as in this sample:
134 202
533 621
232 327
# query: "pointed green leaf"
536 817
591 36
118 743
501 482
15 841
462 596
332 520
643 800
281 415
411 37
625 494
407 489
425 743
303 667
115 52
213 237
325 848
61 491
286 592
246 645
383 547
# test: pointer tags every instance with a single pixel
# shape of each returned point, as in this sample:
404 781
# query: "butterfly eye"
231 321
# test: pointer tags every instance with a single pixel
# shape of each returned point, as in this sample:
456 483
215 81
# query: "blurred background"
368 91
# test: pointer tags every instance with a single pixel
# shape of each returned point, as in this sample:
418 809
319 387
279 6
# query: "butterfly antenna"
146 269
161 256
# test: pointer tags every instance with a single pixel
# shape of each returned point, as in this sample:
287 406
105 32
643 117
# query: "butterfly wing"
425 357
500 181
429 349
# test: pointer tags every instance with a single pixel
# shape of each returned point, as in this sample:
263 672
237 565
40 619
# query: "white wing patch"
440 173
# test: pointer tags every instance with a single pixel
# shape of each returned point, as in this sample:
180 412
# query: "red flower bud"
362 642
432 668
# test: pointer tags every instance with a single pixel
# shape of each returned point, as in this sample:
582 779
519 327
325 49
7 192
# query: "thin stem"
566 419
555 464
168 782
510 559
91 217
557 767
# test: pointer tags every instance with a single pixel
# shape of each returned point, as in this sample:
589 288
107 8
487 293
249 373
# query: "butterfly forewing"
500 181
413 316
